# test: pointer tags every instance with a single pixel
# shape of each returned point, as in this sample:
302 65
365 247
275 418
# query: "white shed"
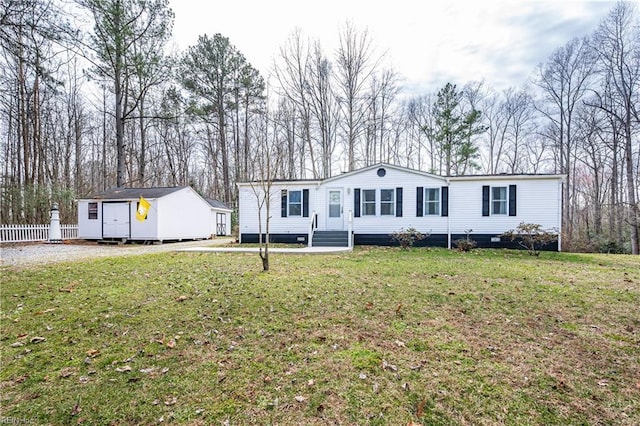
174 213
220 221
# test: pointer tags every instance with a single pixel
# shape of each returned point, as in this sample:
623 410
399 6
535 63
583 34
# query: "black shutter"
444 195
485 200
512 200
419 201
305 203
283 203
398 202
356 202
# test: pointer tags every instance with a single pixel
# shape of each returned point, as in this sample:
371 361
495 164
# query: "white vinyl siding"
387 202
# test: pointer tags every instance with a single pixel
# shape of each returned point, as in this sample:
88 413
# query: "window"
432 201
295 203
93 210
387 202
368 202
499 200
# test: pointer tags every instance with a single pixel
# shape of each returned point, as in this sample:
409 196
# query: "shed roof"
218 204
134 193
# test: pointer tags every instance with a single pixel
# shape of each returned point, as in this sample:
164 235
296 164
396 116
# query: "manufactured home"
366 206
170 214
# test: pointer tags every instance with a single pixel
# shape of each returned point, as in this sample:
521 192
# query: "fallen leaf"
17 344
171 343
46 311
300 398
66 372
37 339
147 370
93 353
171 401
181 298
76 409
387 366
124 369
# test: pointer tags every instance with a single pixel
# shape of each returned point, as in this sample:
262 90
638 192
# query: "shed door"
221 224
116 220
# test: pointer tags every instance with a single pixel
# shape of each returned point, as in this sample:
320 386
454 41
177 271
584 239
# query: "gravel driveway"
26 254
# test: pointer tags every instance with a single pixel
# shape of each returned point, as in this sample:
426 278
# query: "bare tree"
564 80
292 71
617 46
266 159
355 63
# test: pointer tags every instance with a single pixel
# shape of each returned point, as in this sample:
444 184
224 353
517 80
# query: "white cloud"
428 44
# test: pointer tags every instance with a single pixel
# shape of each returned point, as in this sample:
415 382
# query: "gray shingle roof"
134 193
218 204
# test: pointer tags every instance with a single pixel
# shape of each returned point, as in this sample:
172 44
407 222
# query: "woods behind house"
93 96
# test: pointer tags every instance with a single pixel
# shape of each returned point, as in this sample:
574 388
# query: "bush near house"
531 236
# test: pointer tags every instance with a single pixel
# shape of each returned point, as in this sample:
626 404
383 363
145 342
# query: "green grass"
376 336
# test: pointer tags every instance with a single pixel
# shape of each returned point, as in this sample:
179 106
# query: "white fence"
26 233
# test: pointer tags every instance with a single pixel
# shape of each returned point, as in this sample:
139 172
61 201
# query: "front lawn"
377 336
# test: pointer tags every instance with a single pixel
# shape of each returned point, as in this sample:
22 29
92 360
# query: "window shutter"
398 202
283 203
444 195
305 203
419 201
356 202
485 200
512 200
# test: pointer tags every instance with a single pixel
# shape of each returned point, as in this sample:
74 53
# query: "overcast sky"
428 43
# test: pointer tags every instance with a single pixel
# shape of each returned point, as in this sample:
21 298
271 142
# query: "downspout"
560 191
449 215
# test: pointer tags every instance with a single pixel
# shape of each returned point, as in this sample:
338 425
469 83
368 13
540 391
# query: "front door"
115 220
335 217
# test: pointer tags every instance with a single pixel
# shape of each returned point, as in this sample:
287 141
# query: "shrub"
531 236
407 237
465 244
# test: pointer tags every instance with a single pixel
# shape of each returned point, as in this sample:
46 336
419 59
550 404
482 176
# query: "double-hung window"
368 202
387 202
295 203
432 201
499 200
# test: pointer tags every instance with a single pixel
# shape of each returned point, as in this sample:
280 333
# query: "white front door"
115 220
335 216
